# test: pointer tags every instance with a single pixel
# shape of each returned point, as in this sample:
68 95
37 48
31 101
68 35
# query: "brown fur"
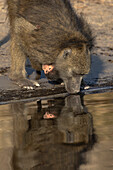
44 31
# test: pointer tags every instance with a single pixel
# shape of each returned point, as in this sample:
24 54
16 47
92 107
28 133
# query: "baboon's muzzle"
72 84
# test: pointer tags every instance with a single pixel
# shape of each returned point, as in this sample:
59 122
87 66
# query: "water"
71 133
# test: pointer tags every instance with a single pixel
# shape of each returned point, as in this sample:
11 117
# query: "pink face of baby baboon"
47 68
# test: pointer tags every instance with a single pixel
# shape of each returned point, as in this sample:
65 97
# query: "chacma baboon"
53 37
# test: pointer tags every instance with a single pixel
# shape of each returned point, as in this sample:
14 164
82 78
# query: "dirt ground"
99 13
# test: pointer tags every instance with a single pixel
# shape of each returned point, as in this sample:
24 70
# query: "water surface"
68 133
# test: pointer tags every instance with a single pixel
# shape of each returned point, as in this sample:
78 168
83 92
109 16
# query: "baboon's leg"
18 60
17 71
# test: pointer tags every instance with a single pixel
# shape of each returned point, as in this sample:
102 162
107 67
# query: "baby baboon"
54 38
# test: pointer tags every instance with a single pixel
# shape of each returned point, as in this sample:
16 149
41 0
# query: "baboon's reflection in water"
54 143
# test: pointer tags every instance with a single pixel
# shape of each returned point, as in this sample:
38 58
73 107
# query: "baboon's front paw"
31 86
27 84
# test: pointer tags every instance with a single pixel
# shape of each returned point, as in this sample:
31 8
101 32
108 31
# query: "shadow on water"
52 134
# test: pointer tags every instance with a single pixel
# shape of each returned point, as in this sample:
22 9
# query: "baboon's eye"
66 53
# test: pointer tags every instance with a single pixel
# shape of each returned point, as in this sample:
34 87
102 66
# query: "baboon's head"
71 64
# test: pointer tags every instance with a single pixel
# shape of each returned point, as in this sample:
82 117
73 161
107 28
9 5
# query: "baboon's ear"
67 53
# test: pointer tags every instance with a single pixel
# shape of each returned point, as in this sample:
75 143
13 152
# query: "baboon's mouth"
72 85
